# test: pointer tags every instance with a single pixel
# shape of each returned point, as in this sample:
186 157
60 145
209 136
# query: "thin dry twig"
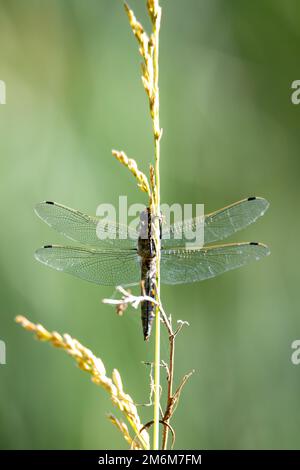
135 301
172 399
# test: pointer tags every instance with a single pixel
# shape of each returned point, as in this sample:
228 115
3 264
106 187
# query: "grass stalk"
149 50
155 14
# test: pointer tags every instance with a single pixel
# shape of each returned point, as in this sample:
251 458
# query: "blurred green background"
230 131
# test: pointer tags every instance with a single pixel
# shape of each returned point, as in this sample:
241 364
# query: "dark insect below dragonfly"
128 258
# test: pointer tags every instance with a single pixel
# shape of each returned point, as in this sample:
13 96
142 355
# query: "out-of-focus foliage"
230 130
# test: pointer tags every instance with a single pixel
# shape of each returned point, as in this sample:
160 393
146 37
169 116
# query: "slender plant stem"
149 49
157 135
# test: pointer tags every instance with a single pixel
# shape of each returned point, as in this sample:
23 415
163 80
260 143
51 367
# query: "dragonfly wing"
182 266
225 222
85 229
107 267
219 224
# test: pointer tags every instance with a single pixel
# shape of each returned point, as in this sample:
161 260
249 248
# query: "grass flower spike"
133 168
88 362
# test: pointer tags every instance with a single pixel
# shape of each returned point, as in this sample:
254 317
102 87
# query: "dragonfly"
113 254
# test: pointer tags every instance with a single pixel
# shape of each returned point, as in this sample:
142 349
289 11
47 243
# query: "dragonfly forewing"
217 225
85 229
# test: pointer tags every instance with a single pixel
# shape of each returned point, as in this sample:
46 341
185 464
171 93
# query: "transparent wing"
107 267
182 266
85 229
220 224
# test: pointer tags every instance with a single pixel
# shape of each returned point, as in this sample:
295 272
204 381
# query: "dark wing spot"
253 243
48 246
251 198
49 202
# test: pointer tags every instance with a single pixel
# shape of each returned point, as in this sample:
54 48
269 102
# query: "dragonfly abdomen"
148 276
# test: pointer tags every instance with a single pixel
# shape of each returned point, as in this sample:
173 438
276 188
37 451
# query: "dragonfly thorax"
146 243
